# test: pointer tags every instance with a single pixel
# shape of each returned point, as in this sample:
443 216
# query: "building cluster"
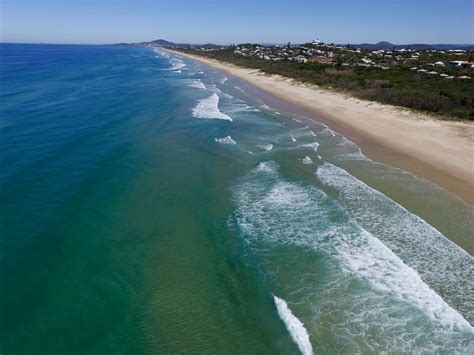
349 56
314 52
453 64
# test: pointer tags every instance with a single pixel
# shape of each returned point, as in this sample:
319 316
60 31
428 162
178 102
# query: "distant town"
433 78
348 56
423 59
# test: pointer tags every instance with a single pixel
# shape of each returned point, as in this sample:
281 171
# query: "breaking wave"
295 327
209 109
313 145
176 64
441 263
198 84
362 294
225 140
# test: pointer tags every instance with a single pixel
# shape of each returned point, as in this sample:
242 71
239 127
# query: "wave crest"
209 109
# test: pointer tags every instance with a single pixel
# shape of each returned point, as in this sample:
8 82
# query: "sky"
237 21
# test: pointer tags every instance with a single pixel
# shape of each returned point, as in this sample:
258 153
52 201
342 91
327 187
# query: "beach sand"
439 151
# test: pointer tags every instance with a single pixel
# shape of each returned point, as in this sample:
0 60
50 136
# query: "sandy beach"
440 151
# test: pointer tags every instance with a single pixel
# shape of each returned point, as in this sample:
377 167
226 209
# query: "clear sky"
236 21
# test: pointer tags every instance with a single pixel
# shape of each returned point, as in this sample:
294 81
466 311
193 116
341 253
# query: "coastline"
439 151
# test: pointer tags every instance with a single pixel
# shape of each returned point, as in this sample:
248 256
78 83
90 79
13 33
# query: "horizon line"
230 43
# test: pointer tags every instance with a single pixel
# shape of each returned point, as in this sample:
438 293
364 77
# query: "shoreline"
439 151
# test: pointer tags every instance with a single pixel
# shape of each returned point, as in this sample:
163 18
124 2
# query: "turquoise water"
152 205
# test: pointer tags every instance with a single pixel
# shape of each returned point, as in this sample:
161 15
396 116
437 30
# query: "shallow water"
150 204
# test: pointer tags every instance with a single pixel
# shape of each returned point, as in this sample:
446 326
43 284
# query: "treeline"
398 85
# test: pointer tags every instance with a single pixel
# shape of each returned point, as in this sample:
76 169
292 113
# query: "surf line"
295 327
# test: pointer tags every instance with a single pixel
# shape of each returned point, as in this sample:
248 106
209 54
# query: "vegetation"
395 84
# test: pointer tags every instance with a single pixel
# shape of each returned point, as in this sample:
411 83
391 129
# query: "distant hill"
167 44
417 46
162 43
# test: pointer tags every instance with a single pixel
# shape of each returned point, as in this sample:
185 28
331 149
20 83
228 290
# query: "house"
454 63
461 64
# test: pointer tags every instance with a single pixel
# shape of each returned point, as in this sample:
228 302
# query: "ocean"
150 204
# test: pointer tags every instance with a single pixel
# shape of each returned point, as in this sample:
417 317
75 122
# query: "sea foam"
349 150
240 106
440 262
209 109
373 293
225 140
329 131
267 147
198 84
176 64
295 327
313 145
303 132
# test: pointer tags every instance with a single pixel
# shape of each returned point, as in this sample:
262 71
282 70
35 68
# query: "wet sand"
439 151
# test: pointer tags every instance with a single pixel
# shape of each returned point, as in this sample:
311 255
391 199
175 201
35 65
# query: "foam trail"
267 147
265 107
303 132
295 327
266 166
388 306
352 151
176 64
313 145
330 131
368 257
209 109
440 262
161 52
241 106
241 90
198 84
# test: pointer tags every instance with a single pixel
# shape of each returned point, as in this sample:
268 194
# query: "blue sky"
234 21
